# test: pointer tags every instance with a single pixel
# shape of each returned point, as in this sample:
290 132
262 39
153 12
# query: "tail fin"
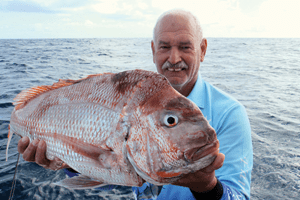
10 134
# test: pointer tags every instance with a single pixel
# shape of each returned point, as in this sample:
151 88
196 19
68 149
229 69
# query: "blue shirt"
230 121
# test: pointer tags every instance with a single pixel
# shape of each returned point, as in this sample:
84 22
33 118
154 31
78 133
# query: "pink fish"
122 129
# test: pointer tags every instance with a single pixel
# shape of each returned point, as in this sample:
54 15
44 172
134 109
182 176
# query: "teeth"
174 69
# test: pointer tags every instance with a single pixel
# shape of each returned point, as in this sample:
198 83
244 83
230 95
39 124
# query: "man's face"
177 52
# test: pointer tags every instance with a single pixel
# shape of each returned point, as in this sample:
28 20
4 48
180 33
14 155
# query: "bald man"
178 48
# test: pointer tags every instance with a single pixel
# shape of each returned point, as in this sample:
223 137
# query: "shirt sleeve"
220 192
234 134
229 193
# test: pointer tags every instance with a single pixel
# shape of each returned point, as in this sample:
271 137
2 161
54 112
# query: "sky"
136 18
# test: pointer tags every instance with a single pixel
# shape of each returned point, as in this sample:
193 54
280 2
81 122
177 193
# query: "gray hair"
179 12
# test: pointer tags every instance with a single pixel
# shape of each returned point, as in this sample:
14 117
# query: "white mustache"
175 67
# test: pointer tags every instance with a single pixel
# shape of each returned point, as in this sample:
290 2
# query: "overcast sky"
136 18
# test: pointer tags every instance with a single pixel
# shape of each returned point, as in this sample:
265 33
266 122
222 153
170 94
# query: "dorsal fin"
26 95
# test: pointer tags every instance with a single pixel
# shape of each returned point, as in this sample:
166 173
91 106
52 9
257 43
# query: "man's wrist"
215 194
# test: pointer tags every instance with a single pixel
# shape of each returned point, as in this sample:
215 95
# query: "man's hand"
36 152
203 180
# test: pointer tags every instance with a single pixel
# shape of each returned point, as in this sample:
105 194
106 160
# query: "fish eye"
170 120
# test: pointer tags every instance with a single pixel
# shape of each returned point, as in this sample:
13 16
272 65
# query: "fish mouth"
192 160
194 154
173 175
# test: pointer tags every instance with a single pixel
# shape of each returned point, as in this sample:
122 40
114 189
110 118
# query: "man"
178 47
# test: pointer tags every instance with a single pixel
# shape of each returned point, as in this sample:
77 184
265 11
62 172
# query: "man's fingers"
36 152
23 144
40 156
56 164
29 153
217 164
219 161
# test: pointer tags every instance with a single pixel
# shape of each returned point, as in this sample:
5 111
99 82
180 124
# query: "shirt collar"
197 93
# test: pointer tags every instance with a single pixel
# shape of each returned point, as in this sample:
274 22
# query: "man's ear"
203 47
153 51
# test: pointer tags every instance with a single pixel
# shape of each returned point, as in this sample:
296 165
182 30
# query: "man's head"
178 48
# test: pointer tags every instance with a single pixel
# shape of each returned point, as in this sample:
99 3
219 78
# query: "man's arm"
234 134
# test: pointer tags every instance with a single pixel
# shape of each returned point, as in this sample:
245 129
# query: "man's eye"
164 47
185 47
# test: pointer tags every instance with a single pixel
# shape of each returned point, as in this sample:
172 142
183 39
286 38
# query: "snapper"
123 128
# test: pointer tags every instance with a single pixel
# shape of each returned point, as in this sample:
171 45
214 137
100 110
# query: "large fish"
122 129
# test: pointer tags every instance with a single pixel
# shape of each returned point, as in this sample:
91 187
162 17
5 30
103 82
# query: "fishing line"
13 186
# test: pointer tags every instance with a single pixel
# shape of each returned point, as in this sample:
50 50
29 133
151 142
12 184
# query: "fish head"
170 138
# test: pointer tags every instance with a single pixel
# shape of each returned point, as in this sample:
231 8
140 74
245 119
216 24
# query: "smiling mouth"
175 69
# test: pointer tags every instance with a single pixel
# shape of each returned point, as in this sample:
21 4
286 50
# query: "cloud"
280 18
136 18
242 18
135 10
88 23
60 4
22 6
44 6
107 7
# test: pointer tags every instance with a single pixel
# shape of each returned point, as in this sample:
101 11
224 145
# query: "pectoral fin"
80 182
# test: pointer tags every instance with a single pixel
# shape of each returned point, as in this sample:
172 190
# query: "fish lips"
196 153
193 159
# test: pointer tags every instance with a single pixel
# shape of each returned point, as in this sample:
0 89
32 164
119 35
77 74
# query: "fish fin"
26 95
102 157
80 182
150 192
22 98
10 134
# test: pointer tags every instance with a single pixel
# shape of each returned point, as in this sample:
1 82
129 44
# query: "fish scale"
113 128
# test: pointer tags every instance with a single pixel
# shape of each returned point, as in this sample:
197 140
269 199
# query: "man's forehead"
170 23
175 38
186 42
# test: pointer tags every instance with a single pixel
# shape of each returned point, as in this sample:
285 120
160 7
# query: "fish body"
122 129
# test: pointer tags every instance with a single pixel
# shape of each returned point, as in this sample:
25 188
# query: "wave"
6 105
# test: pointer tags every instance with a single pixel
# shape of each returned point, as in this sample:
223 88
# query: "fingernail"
42 143
24 139
35 142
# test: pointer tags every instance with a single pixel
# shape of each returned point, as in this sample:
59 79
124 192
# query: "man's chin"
176 81
177 85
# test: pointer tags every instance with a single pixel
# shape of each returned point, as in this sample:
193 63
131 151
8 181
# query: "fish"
116 128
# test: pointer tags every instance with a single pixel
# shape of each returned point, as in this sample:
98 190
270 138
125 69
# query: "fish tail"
10 134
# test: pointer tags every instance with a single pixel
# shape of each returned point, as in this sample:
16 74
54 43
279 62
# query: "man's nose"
174 56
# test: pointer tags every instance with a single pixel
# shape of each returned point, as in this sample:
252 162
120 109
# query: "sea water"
263 74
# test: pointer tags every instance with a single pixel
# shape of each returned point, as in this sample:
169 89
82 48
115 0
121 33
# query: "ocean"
263 74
